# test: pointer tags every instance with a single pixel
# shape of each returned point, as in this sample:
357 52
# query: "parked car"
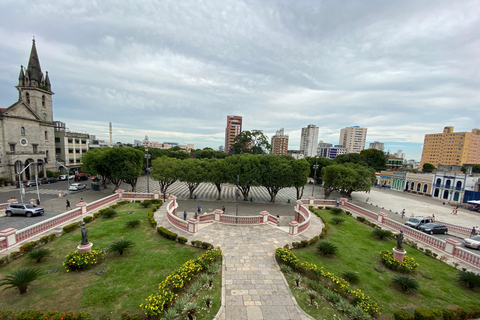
77 186
31 183
433 228
473 242
26 209
62 177
71 177
416 222
48 180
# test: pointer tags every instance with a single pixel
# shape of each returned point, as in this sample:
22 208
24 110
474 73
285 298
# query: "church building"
27 130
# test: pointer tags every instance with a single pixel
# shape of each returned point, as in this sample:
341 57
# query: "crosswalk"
208 191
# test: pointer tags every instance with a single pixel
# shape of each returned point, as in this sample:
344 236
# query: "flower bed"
75 261
408 264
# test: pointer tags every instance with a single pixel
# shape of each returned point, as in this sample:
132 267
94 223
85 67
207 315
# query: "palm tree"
120 246
20 279
38 254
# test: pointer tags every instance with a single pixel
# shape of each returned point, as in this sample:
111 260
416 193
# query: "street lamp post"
147 156
20 180
315 166
236 196
68 176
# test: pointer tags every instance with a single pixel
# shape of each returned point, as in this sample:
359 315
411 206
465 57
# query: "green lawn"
130 278
360 252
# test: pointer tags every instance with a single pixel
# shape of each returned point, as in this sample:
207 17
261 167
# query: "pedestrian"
199 210
433 217
38 202
185 215
474 231
196 216
338 202
455 211
223 209
477 231
403 213
278 220
68 205
81 199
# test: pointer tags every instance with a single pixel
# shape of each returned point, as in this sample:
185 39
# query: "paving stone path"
254 288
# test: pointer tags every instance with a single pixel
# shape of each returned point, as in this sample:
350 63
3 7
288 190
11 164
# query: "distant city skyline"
174 71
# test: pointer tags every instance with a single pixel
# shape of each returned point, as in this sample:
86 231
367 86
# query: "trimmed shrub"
167 233
336 210
120 246
206 245
337 220
96 214
70 227
196 243
427 314
46 239
132 223
406 284
109 213
182 240
304 243
27 247
296 245
350 276
151 220
382 234
402 315
328 208
361 219
314 240
327 248
469 279
87 219
348 213
145 203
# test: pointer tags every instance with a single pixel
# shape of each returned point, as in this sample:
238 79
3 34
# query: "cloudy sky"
174 70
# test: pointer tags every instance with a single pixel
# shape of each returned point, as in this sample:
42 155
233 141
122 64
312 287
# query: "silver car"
473 242
26 209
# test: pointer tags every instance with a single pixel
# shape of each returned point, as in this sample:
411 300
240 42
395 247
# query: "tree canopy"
428 167
374 158
254 142
346 178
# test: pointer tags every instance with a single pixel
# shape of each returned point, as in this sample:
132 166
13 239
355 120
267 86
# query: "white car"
473 242
77 186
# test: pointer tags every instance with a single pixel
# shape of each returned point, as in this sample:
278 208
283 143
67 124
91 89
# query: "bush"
145 203
96 214
132 223
296 245
328 208
27 247
336 210
88 219
361 219
327 248
304 243
20 279
120 246
167 233
348 213
151 220
350 276
427 314
337 220
405 284
382 234
38 254
46 239
182 240
402 315
314 240
406 266
74 261
109 213
70 227
469 279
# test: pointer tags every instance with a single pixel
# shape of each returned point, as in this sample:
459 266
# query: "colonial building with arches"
419 183
27 135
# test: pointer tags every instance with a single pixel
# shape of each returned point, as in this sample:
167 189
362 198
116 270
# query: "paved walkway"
253 287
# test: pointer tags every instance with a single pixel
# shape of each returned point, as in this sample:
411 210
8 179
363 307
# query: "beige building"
451 148
27 139
280 143
353 139
69 147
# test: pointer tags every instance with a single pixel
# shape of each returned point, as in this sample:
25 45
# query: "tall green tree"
245 167
300 171
94 163
321 162
254 142
192 172
165 171
216 173
350 157
374 158
125 165
209 153
275 173
347 178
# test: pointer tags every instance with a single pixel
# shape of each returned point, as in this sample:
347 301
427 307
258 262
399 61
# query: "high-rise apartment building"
234 127
451 148
308 140
280 143
329 151
377 145
353 139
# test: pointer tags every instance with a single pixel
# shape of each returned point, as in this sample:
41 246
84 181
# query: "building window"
77 140
46 154
58 150
57 140
43 101
28 98
35 148
22 131
70 140
12 147
46 135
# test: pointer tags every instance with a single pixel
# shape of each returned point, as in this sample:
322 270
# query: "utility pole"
147 156
315 166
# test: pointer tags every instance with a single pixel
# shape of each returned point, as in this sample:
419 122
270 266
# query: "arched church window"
46 135
22 131
28 98
43 101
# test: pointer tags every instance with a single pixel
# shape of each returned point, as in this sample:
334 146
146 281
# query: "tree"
300 170
192 172
350 157
94 163
428 167
245 167
254 142
125 165
275 173
209 153
216 173
21 279
347 178
476 168
374 158
165 171
321 162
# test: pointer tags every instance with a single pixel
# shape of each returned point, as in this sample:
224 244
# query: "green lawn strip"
360 252
130 279
322 310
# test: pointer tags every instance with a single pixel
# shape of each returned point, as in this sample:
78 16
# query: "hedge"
87 219
27 247
167 233
70 227
182 240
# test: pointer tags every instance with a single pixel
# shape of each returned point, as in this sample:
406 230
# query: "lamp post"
147 156
20 180
236 196
315 166
68 175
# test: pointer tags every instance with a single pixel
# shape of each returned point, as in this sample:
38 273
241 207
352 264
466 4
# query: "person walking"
185 215
455 211
68 205
473 233
199 210
433 217
223 209
338 202
403 213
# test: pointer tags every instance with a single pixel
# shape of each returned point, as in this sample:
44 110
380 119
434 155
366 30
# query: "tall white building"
308 140
353 139
377 145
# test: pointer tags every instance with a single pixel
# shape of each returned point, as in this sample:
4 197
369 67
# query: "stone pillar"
343 201
218 213
82 205
293 228
381 216
311 201
451 246
264 216
399 254
192 225
120 193
10 236
156 194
